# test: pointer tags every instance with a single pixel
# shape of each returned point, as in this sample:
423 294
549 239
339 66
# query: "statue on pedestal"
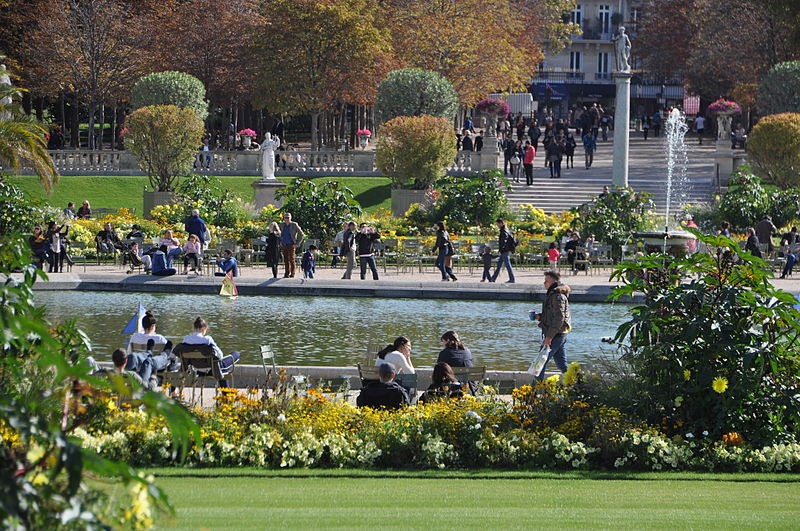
268 147
622 49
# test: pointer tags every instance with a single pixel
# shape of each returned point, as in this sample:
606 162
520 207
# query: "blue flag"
135 324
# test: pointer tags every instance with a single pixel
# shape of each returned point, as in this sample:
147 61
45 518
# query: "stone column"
265 193
622 126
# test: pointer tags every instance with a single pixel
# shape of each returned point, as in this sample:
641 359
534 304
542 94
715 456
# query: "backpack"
512 243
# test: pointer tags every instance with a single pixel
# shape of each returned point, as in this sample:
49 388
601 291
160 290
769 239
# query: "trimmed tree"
171 88
164 138
774 145
414 151
415 92
779 91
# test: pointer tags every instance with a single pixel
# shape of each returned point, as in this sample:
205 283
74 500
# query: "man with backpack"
507 245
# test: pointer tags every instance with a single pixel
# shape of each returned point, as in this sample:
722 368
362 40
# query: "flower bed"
545 428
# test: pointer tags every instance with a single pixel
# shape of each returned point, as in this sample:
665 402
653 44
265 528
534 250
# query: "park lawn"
257 499
106 191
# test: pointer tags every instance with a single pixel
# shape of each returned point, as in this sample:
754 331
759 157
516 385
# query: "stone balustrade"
293 162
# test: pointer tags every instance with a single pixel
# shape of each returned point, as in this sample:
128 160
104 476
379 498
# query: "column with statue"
622 115
266 187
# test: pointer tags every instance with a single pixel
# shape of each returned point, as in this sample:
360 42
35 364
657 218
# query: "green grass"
254 499
126 191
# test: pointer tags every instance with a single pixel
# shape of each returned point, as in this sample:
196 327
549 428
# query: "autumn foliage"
415 150
774 145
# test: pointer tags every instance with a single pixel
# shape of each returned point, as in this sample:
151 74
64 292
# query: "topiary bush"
774 146
779 90
415 92
171 88
469 200
164 138
414 151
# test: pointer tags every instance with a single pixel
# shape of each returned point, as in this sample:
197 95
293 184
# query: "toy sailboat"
135 324
228 288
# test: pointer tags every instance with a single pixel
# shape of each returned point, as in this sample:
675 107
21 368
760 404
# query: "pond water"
336 331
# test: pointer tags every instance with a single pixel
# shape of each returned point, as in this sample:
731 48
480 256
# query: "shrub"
319 210
464 201
171 88
415 150
612 218
779 90
164 138
746 201
416 92
774 145
17 213
712 347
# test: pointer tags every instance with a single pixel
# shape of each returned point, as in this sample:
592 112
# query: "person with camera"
365 239
555 321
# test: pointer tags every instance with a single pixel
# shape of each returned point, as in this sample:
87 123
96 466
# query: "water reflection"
335 331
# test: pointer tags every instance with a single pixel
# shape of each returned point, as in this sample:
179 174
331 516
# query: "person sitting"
200 337
145 364
120 361
172 245
191 253
228 264
384 393
141 338
107 240
454 353
398 354
308 262
137 259
136 232
85 211
159 264
444 385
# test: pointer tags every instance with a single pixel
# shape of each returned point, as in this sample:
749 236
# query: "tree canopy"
414 92
779 90
171 88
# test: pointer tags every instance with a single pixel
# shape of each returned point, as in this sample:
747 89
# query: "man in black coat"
383 394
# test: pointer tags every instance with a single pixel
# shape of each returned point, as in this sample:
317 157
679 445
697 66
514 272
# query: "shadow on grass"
374 196
738 477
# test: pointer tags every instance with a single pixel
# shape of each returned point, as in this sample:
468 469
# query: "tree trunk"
102 126
114 127
90 128
61 114
75 127
315 130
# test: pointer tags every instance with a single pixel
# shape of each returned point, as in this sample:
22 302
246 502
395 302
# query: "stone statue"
622 49
724 126
268 147
5 80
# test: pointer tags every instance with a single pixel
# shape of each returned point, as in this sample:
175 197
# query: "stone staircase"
647 172
574 189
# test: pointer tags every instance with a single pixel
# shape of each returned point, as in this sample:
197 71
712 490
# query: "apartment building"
582 73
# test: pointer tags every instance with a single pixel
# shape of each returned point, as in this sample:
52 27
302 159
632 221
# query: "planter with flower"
363 137
493 108
724 111
247 135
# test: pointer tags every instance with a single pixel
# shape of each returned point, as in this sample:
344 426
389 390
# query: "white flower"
281 418
705 433
690 435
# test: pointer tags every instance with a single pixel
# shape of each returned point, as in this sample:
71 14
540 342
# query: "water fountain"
672 241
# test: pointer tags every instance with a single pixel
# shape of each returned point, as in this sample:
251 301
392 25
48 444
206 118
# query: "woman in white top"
398 354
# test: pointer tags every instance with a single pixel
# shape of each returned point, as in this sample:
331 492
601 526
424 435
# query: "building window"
604 14
577 15
575 61
602 66
634 20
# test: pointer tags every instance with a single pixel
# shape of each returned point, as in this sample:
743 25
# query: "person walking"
291 238
507 245
445 249
527 162
273 249
589 147
569 150
555 321
555 153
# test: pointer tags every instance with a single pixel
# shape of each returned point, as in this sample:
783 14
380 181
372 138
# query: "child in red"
553 256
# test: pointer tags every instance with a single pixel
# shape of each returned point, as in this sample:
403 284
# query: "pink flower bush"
493 106
247 132
723 105
364 132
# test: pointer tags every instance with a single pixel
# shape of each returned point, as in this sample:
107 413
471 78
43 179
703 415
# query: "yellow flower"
719 384
572 373
687 374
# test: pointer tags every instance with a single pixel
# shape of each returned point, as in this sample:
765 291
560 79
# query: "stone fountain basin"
674 237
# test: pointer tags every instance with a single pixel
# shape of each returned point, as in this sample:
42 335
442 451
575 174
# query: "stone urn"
247 141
